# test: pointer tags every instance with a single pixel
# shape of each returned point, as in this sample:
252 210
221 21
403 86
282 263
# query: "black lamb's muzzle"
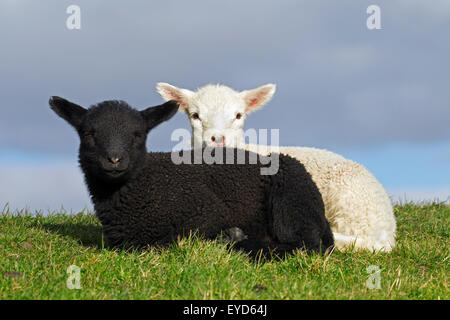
115 164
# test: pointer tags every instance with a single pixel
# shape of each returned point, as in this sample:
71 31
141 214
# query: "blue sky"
379 97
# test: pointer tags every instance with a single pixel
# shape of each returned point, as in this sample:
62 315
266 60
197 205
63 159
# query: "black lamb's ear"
155 115
67 110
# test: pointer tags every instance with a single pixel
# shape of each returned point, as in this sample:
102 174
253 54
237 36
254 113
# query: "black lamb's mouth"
115 172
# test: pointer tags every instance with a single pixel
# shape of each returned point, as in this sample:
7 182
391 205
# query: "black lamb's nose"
114 160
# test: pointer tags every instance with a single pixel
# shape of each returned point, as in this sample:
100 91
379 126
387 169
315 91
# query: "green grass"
36 250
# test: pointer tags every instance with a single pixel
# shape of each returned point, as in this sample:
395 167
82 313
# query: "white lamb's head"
217 112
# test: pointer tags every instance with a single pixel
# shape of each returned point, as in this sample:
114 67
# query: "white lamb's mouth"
216 145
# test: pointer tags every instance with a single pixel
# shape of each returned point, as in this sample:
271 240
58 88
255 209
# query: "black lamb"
146 199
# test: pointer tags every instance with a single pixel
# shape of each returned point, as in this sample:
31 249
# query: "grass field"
36 251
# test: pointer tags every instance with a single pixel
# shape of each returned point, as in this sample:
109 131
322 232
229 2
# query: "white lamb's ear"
256 98
169 92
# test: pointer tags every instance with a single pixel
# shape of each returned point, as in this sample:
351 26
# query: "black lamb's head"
112 134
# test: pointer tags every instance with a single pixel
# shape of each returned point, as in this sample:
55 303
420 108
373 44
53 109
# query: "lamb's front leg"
212 221
232 235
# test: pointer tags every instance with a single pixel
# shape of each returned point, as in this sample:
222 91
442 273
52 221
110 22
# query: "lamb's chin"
114 175
213 145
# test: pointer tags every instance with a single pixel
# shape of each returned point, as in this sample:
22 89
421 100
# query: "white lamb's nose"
218 140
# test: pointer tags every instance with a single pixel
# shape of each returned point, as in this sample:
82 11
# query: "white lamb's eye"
238 116
195 116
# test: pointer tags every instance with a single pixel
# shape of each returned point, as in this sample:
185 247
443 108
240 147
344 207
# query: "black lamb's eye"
89 134
195 116
138 137
239 116
89 137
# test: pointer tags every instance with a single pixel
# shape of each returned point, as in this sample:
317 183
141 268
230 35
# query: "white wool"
356 204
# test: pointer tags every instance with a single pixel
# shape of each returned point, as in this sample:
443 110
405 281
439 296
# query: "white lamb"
356 204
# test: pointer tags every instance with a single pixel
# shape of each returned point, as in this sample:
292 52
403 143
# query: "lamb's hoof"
232 235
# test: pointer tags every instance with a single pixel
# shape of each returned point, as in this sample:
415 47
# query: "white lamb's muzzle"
225 138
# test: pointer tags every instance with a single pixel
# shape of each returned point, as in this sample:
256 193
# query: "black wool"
146 199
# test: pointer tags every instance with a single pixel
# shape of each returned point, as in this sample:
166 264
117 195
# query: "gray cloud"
338 83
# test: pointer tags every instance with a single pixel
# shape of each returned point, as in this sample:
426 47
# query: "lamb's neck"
102 190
